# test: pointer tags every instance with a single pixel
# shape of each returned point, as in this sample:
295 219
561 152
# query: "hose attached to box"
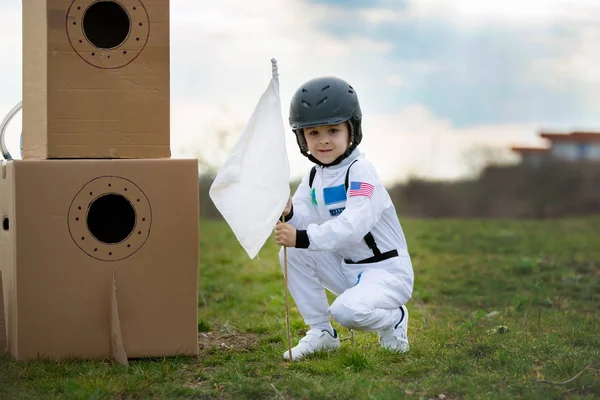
5 153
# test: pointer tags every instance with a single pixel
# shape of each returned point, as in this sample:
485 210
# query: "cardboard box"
76 230
96 79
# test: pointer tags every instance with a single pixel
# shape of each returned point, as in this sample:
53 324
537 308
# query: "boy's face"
327 142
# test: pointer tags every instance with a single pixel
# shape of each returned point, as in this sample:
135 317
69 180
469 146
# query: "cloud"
484 62
413 142
468 13
10 61
221 51
379 16
573 56
220 67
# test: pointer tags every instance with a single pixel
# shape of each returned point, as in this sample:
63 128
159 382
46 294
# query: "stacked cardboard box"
100 225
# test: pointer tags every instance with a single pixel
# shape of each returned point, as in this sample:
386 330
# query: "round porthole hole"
106 24
111 218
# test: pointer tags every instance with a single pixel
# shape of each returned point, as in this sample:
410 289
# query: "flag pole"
287 308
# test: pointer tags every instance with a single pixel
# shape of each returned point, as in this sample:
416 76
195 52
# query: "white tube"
5 153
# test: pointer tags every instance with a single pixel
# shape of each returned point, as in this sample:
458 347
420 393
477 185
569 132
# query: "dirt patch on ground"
238 341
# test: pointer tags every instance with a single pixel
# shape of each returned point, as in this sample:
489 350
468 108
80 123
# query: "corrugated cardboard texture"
3 343
65 281
82 99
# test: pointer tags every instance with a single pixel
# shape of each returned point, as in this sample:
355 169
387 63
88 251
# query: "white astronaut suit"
332 251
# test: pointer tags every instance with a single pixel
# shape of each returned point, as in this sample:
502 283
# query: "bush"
557 189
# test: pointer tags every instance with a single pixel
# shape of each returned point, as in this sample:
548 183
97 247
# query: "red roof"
518 149
579 137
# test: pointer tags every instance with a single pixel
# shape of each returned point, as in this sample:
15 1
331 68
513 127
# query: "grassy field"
501 310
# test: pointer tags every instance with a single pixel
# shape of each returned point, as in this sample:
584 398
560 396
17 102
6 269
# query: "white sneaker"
315 340
396 338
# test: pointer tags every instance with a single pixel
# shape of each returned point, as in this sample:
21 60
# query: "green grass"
497 307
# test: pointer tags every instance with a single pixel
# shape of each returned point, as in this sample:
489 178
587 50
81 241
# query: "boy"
342 229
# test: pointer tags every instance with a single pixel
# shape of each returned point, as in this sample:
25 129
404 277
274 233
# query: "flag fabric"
361 189
252 188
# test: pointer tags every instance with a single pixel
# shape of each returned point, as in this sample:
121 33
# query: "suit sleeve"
303 211
366 201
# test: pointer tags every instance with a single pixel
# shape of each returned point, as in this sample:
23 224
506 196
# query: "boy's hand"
285 234
288 208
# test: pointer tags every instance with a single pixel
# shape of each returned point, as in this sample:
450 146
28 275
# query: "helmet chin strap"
334 162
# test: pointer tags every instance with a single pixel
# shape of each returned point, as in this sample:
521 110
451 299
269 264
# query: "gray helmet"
325 101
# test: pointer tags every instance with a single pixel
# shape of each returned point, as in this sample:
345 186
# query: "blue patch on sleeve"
336 194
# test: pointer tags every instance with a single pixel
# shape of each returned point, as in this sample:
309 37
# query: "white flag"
252 187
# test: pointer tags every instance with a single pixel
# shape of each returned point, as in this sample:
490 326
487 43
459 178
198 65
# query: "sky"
443 85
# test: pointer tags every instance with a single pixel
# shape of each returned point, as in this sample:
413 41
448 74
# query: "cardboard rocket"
99 243
96 79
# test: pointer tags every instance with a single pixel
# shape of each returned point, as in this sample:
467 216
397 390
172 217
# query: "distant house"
574 146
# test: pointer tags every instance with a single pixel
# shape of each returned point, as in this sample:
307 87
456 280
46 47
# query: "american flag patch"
361 189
